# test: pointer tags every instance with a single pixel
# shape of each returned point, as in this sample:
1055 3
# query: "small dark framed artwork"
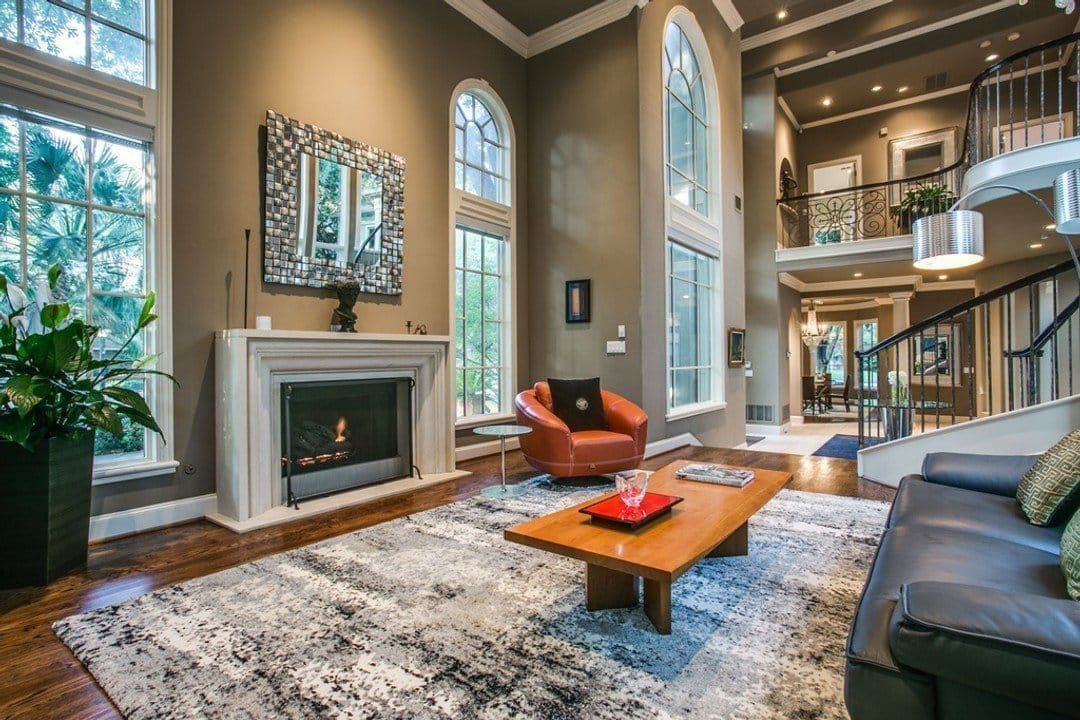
736 347
578 301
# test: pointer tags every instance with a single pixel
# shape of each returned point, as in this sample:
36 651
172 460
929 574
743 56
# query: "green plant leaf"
146 315
3 283
54 275
106 418
16 428
51 352
52 316
145 420
128 398
22 391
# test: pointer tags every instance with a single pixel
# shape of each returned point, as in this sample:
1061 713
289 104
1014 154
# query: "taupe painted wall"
859 136
376 71
583 196
723 428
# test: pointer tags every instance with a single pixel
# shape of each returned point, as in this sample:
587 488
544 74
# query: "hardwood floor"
41 679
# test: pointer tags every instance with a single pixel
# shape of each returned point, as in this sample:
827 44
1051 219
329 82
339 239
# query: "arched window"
687 122
480 151
482 241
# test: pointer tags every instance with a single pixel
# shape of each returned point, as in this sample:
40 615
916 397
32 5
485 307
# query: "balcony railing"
1024 100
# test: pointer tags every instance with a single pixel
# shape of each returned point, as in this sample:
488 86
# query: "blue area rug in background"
844 446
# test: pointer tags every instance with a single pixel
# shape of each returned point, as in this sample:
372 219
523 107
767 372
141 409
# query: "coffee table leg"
658 605
606 589
738 543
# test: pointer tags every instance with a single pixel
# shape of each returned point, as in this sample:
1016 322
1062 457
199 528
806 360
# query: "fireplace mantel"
250 367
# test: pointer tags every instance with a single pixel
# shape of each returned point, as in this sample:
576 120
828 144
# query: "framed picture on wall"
935 356
921 154
736 344
578 301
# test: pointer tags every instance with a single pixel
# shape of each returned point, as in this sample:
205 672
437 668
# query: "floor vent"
759 413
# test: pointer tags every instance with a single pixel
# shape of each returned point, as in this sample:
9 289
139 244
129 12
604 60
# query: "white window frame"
50 86
476 212
687 227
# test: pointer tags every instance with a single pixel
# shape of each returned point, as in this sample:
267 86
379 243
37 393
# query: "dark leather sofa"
965 612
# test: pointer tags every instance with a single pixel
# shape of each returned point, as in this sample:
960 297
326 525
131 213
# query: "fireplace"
344 434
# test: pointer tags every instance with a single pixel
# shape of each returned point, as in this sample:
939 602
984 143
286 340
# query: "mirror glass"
924 159
340 214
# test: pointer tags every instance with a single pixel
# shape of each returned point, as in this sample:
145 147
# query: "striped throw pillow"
1050 491
1070 556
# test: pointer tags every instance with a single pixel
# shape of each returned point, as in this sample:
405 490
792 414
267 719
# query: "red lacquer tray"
612 510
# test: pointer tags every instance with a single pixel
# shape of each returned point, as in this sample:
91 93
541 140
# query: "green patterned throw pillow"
1049 492
1070 556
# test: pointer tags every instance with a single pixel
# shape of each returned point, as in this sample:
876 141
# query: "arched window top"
688 121
481 149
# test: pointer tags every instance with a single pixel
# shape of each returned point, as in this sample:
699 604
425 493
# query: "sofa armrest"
627 418
1014 644
549 434
995 474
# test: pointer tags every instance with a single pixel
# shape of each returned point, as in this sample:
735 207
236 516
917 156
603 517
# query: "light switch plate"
622 332
616 347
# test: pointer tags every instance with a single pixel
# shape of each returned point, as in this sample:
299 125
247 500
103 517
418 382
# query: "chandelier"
812 333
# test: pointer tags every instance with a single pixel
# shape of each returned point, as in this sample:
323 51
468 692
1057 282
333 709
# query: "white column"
901 304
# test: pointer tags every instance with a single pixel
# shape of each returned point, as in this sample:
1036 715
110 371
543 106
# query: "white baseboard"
768 430
659 447
471 452
126 522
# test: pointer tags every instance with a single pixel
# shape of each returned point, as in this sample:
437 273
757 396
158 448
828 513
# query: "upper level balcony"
1021 132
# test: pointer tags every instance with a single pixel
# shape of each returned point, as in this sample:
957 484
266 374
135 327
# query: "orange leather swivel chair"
553 449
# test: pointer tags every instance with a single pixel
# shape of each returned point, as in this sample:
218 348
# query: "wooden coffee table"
710 522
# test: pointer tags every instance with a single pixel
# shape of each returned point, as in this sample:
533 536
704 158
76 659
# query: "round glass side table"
502 432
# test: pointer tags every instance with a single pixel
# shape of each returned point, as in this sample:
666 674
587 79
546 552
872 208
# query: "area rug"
845 447
436 616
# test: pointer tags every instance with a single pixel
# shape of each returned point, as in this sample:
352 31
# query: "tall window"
867 337
690 362
687 122
110 36
483 228
80 185
480 156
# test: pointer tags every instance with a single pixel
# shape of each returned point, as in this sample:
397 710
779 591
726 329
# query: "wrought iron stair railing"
1010 348
1026 99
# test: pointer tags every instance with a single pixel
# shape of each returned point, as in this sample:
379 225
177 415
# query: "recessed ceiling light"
984 44
942 277
1013 37
826 101
1051 227
876 88
902 89
858 274
782 15
1035 246
992 57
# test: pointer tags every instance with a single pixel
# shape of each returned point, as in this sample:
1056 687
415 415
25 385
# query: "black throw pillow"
578 404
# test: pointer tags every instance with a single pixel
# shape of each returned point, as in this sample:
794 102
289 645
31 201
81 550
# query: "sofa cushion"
1049 492
910 553
1070 556
599 446
928 504
578 403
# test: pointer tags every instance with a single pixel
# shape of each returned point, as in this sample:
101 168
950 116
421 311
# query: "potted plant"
897 416
922 201
54 394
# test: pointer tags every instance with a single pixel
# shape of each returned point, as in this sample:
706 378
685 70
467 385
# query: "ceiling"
953 50
532 16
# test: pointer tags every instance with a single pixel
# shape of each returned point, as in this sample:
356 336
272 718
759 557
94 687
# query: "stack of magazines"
715 474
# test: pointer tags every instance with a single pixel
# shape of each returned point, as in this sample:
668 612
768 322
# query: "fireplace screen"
344 434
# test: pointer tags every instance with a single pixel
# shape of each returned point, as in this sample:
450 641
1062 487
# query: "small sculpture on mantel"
344 317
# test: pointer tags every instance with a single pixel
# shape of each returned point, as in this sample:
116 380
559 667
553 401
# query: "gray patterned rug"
435 616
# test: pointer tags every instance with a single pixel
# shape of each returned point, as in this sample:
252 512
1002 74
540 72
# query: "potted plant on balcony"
921 201
54 394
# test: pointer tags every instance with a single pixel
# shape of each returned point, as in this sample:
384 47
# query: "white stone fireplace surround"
251 366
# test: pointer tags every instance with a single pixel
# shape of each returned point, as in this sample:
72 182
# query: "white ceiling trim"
925 97
914 281
562 32
731 15
786 109
810 23
899 37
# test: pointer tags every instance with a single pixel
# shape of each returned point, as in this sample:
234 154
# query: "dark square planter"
44 510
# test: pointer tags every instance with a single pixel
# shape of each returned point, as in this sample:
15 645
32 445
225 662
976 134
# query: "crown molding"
495 24
731 15
915 100
786 109
916 282
810 23
583 23
898 37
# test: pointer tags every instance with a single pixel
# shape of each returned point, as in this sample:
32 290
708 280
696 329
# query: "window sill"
478 421
681 413
123 472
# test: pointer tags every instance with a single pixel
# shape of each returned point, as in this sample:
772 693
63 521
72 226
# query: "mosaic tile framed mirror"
334 209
